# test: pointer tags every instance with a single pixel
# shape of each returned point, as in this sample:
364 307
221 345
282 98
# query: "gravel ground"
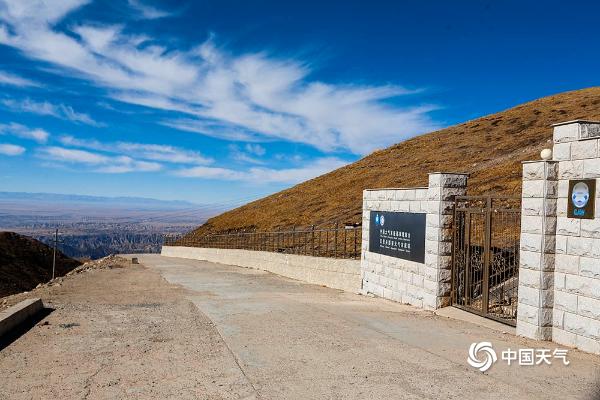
119 332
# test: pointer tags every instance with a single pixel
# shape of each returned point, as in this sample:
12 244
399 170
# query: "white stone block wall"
571 247
576 314
384 276
427 284
536 270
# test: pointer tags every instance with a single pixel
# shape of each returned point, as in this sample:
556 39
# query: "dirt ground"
185 329
119 333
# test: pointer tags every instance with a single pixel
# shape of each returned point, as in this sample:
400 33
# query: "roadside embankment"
19 313
331 272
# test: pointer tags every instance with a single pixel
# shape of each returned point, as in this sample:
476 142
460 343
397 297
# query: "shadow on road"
23 328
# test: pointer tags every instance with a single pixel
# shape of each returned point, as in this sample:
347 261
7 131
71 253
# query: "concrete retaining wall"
14 316
331 272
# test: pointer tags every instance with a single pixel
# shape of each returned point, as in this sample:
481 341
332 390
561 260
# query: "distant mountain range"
95 226
20 208
95 200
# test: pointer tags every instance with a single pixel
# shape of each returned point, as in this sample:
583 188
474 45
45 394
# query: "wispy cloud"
250 97
98 162
116 157
259 175
247 155
18 130
215 129
11 149
255 149
6 78
145 151
146 11
163 153
60 111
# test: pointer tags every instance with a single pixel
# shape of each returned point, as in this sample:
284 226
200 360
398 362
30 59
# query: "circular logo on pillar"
581 195
382 219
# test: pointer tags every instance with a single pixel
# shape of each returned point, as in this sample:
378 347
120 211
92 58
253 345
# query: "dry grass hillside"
490 148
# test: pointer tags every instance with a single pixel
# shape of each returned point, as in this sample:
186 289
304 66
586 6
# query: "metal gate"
485 256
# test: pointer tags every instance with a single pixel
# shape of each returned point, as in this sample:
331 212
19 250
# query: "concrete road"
297 341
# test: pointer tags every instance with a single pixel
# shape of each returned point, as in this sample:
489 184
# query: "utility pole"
54 255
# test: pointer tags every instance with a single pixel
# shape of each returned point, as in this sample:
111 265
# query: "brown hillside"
26 262
490 148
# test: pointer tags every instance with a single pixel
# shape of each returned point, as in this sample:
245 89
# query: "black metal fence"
339 241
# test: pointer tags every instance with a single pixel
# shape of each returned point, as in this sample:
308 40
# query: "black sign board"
398 234
582 199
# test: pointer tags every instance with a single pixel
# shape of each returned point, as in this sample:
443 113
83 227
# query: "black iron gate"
485 256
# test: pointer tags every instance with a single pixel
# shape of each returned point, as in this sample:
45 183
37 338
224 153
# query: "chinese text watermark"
482 356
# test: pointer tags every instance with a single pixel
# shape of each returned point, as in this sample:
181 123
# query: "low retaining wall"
14 316
331 272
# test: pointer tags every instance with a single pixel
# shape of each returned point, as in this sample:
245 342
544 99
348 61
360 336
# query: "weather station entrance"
485 256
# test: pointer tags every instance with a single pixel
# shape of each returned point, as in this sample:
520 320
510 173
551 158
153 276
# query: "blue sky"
224 101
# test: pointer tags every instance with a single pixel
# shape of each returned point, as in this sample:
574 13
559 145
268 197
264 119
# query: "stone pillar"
576 316
442 190
538 241
559 274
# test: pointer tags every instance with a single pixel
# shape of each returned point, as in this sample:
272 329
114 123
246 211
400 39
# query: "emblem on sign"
582 196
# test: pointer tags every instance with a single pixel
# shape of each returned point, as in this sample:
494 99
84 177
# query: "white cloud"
211 173
11 149
17 11
146 11
98 162
259 175
251 97
289 157
248 155
60 111
14 129
154 152
76 156
214 129
6 78
163 153
255 149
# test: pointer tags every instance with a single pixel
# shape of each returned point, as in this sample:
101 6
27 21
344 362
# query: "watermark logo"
482 356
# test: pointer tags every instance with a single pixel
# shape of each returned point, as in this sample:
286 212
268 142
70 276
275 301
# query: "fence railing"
335 242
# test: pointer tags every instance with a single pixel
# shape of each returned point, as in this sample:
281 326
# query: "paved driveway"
297 341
